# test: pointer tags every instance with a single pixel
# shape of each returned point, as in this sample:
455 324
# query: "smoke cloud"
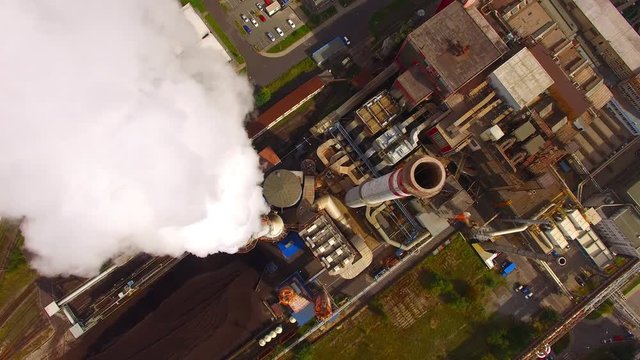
119 134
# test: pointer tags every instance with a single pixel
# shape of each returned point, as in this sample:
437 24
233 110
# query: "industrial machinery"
491 247
323 308
422 177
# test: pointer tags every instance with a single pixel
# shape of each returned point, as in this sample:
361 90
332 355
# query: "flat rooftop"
608 21
459 43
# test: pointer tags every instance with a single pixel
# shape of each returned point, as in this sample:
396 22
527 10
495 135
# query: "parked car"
270 36
346 40
244 18
254 22
247 29
379 273
262 18
291 23
279 31
259 6
526 290
580 281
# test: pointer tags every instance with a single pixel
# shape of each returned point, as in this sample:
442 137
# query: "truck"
272 8
507 268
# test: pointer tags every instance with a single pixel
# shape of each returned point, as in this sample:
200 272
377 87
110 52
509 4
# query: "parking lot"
258 37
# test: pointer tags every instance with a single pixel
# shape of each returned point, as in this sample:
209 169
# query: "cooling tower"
421 177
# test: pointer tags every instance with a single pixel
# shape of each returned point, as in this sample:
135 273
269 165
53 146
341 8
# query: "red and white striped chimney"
421 177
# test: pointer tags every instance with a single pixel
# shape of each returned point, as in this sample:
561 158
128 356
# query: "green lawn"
18 275
235 54
454 330
631 284
294 36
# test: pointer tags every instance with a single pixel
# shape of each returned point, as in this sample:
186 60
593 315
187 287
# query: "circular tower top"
282 189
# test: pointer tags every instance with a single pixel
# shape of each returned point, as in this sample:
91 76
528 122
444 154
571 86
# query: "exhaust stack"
421 177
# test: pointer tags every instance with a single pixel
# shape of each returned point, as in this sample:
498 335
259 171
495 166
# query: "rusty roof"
459 43
277 112
570 100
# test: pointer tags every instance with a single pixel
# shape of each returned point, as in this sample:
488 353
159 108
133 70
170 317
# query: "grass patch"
378 21
631 284
562 344
314 20
454 328
231 48
304 66
294 36
15 281
605 308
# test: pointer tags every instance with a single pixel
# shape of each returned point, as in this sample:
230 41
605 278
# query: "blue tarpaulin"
305 315
291 245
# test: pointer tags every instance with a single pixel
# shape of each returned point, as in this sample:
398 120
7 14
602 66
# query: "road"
263 70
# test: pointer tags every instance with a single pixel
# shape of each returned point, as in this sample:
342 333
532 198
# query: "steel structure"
399 205
581 310
491 247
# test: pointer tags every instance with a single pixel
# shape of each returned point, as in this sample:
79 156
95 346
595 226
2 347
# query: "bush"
490 280
562 344
545 319
605 309
435 283
303 351
262 96
376 307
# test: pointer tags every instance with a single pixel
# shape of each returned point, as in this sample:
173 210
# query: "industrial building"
287 105
595 131
609 33
620 229
450 48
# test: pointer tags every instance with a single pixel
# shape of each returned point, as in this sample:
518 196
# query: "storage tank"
282 188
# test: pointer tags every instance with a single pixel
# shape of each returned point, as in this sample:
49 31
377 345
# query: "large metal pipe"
422 177
491 247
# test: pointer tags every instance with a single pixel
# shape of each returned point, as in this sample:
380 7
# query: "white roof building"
616 33
520 79
205 38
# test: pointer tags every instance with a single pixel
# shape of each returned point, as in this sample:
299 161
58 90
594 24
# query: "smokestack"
421 177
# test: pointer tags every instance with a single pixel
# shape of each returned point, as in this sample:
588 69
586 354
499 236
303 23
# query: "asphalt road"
263 70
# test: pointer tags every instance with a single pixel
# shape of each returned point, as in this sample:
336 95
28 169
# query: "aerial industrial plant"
495 137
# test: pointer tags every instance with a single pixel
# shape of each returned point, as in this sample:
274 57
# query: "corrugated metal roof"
276 113
466 31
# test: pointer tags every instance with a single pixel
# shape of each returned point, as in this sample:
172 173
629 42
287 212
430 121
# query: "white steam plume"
110 142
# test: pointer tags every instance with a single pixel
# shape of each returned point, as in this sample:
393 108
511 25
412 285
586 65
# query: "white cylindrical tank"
272 227
279 329
261 342
421 177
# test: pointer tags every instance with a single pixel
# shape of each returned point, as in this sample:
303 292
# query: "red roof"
293 99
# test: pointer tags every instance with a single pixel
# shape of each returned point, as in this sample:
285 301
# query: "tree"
303 351
546 318
497 339
262 96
